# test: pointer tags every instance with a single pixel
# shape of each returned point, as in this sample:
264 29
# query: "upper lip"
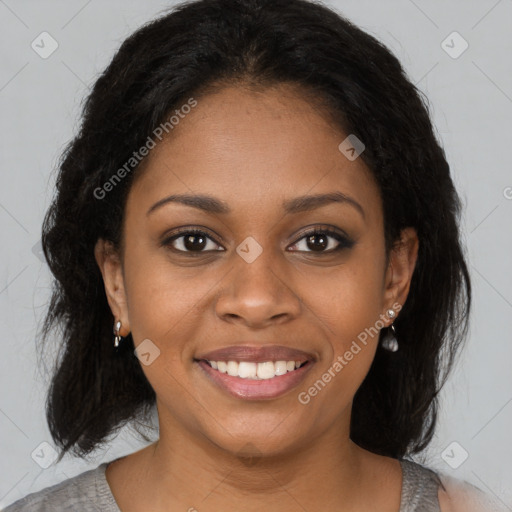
257 354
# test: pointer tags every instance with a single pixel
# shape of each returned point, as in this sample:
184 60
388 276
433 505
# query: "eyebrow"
299 204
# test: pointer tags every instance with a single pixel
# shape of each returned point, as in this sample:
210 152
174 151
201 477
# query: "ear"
402 261
109 262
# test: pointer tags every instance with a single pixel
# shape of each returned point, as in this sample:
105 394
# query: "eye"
192 240
323 240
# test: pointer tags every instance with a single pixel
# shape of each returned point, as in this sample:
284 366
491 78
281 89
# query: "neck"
190 472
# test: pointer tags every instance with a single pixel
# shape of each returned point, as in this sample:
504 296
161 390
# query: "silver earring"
117 337
389 341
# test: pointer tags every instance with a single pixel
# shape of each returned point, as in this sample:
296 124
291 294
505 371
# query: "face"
257 275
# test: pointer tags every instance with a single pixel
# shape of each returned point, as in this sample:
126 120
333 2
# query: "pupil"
322 245
189 245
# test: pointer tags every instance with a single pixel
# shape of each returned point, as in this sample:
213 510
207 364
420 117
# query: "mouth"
255 370
256 373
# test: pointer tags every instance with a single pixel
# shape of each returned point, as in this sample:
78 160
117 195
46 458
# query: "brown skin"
254 150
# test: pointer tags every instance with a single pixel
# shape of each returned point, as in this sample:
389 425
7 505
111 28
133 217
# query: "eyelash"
343 241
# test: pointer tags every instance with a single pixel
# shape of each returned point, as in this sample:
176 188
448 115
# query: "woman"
257 205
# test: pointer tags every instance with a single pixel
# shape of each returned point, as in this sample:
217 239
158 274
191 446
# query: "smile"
255 370
255 380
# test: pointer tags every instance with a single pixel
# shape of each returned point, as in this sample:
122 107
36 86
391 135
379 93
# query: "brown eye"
317 242
192 241
322 241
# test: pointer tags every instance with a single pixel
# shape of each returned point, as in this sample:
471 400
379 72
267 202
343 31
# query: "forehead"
244 145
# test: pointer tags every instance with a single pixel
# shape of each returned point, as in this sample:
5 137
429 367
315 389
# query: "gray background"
471 104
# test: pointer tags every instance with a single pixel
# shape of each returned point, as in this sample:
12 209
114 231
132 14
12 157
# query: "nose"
258 294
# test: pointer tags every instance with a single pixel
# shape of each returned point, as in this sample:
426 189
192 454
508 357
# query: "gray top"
90 492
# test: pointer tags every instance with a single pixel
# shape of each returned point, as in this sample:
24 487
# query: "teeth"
256 371
266 370
233 368
280 367
247 370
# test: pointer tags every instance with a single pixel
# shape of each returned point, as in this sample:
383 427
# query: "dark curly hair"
187 52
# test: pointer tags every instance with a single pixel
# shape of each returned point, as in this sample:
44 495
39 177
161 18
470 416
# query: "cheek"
162 308
348 300
348 303
166 303
348 310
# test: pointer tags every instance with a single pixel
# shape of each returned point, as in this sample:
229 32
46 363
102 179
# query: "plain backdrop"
470 94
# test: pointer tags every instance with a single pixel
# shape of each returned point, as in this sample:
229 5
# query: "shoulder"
461 496
420 487
83 492
426 489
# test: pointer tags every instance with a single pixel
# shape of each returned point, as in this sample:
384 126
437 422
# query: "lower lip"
251 389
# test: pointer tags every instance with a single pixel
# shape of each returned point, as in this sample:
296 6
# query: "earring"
117 338
389 341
